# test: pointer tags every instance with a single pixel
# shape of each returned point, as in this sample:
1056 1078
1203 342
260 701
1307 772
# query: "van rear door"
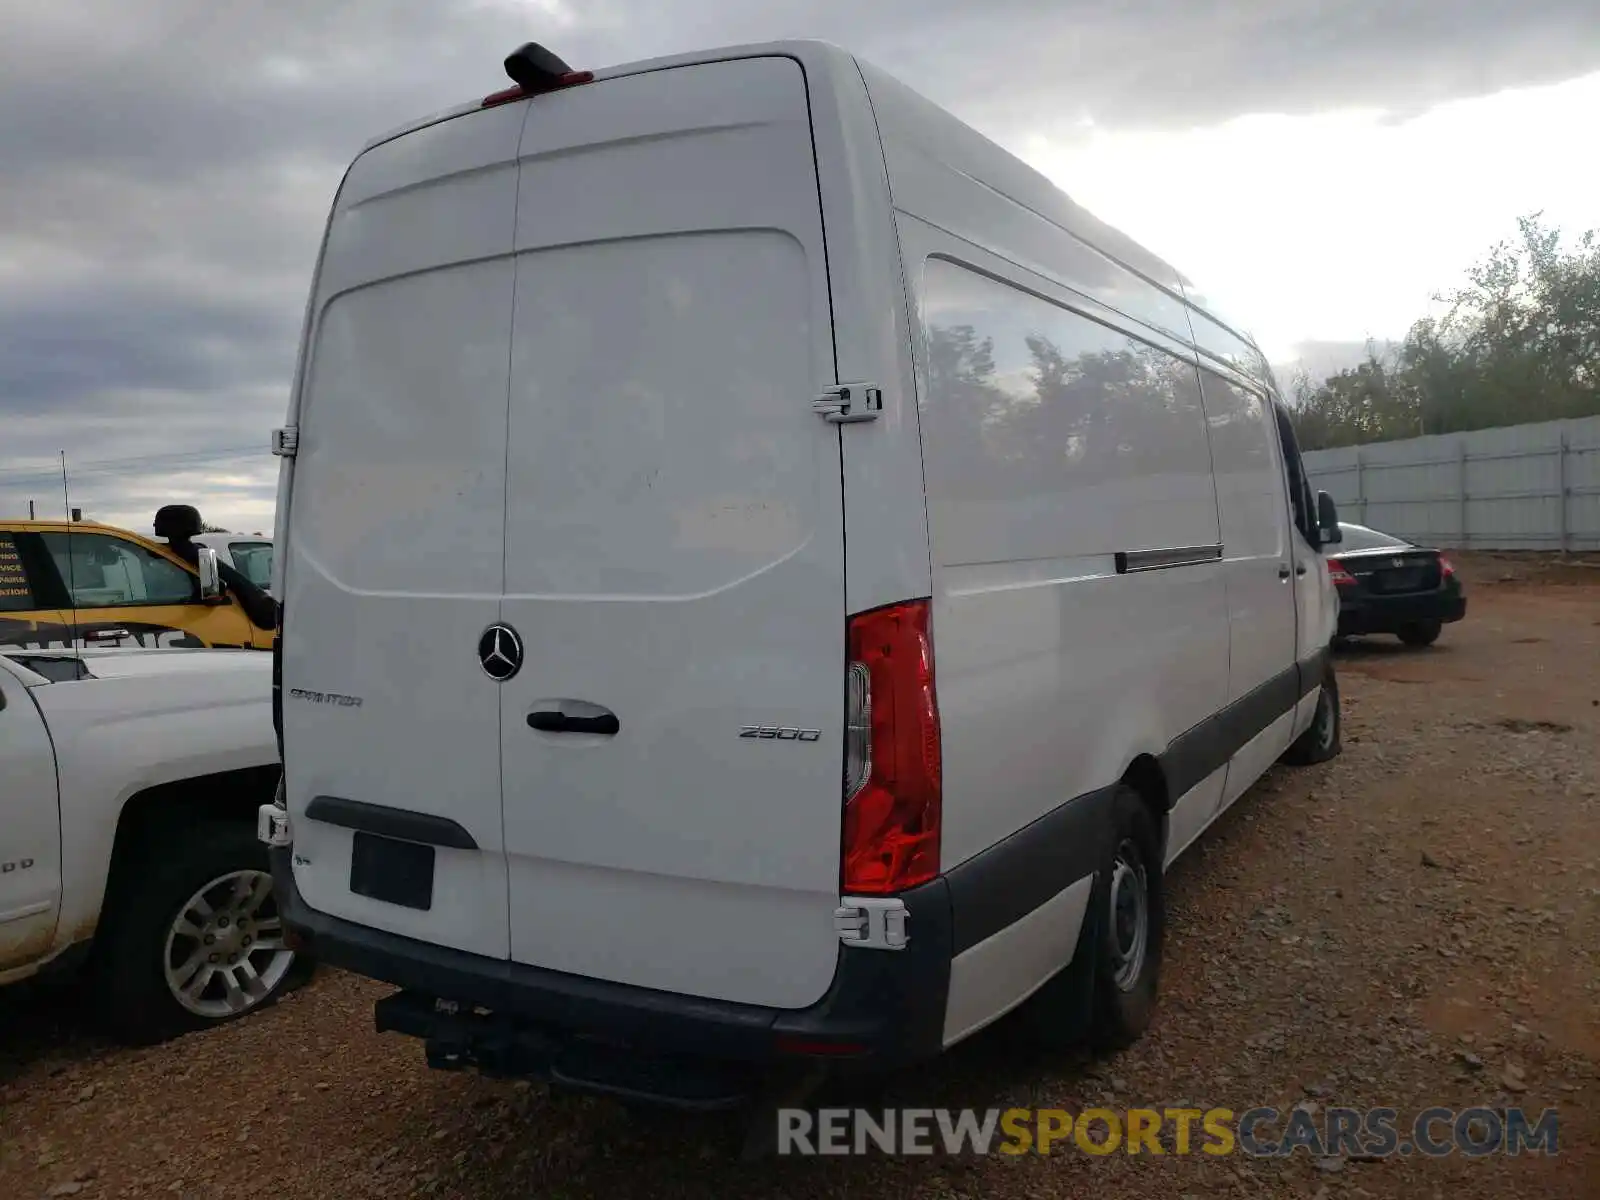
671 746
394 565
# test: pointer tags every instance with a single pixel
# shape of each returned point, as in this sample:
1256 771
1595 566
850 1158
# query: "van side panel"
1079 613
394 569
1059 452
1064 440
953 177
1257 565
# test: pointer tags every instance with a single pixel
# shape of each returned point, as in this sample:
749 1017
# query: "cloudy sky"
1318 166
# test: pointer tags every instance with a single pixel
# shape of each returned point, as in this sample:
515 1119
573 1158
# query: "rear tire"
1321 740
1130 902
145 960
1421 633
1086 1006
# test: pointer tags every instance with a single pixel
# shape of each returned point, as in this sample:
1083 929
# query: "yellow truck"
89 585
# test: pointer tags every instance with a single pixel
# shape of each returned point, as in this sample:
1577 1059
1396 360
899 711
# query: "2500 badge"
782 733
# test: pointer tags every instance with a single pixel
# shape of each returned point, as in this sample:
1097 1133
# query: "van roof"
1022 182
802 48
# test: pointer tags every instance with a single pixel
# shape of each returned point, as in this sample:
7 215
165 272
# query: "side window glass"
254 561
1036 415
15 594
1299 488
101 571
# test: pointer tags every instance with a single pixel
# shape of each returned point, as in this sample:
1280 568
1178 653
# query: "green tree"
1519 341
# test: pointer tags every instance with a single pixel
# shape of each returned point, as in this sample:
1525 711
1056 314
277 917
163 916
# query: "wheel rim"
225 953
1130 916
1325 719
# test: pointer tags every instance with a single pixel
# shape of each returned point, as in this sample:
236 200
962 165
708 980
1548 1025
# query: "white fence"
1521 487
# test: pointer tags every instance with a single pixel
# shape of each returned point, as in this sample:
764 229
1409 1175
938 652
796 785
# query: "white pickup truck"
129 784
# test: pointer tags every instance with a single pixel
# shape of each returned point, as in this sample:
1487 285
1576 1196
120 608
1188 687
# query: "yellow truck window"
101 571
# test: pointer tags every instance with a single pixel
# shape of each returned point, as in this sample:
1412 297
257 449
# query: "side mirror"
210 577
1328 520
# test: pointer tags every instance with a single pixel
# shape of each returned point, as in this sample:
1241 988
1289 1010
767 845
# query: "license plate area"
1406 579
388 869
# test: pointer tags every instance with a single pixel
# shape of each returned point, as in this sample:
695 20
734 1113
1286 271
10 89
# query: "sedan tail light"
1339 576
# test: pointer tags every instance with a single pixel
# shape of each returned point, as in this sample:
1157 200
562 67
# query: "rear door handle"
559 722
106 634
1283 572
1299 568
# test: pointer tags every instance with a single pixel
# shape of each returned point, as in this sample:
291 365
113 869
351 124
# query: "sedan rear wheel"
1421 633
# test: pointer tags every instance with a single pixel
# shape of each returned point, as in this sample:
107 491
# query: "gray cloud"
168 164
55 352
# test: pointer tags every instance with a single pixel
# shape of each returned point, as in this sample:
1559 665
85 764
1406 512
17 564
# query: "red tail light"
892 770
1446 567
1339 576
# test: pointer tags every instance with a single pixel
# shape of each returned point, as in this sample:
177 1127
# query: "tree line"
1518 342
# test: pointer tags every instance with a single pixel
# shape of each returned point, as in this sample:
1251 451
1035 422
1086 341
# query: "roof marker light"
535 71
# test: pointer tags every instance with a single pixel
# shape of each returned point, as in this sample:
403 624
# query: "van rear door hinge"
272 825
286 441
849 403
872 922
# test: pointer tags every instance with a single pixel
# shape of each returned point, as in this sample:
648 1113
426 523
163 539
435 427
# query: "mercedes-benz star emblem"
500 652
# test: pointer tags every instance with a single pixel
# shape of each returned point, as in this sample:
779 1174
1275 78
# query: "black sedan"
1388 585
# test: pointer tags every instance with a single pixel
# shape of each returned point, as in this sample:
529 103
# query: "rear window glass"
254 561
1359 537
15 595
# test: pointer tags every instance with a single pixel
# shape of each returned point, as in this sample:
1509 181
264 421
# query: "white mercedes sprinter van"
766 577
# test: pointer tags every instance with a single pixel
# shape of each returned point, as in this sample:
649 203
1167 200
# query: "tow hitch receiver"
459 1036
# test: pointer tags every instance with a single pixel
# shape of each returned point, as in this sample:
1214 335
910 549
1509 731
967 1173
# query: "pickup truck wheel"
198 940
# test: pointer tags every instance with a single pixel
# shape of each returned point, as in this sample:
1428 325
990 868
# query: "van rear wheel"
1321 740
1129 929
1107 995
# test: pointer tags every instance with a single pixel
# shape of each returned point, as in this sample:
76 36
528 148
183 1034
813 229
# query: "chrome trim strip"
1130 561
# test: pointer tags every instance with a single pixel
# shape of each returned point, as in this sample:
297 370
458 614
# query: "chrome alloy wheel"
224 952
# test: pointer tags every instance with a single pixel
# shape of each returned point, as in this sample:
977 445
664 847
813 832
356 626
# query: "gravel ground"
1414 924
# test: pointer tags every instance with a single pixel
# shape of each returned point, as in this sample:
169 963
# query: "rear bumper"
1386 614
886 1008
